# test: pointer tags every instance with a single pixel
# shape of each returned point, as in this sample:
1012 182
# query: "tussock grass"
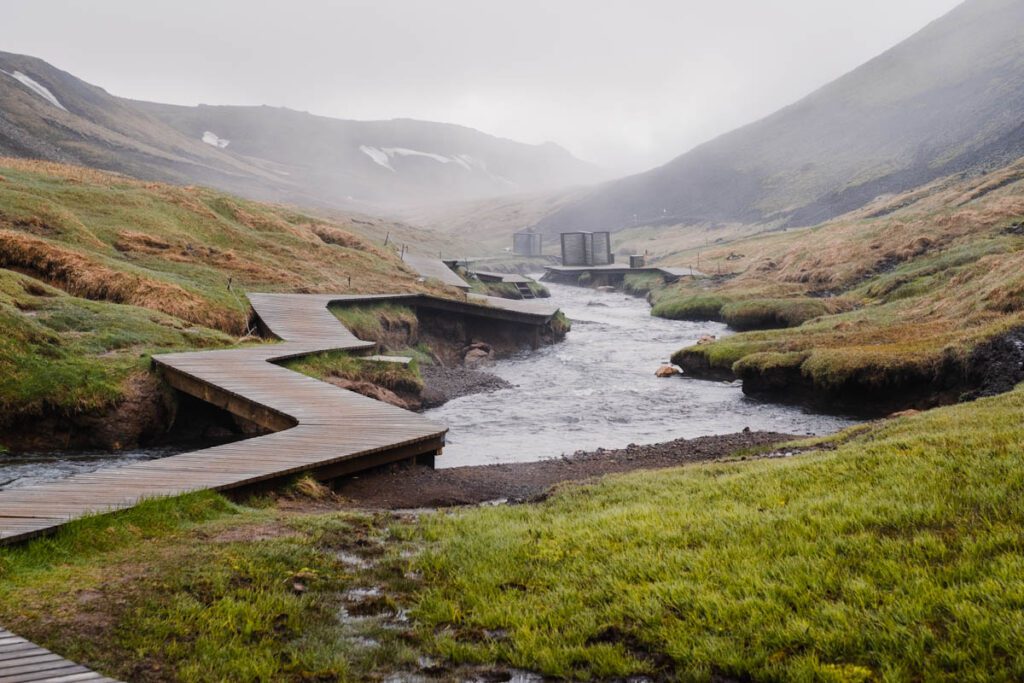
64 354
695 307
897 556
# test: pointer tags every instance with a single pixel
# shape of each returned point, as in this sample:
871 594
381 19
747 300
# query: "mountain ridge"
50 114
945 100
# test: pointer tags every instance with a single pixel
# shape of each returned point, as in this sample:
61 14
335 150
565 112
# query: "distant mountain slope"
948 99
267 153
49 114
384 162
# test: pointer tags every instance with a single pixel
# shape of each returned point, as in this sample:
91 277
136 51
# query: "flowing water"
598 389
24 469
595 389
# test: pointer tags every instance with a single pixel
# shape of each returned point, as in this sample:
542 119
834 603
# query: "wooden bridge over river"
316 428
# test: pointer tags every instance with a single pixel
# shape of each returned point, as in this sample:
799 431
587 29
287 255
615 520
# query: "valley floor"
891 551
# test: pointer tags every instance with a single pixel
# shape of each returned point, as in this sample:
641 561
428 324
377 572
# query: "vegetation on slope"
879 305
893 551
97 271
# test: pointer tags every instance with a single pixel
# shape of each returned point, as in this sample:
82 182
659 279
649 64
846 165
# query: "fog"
627 85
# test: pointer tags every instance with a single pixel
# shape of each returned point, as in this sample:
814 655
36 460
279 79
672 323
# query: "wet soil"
406 486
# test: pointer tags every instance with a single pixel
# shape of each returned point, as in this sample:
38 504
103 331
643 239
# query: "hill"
265 153
98 271
947 100
385 163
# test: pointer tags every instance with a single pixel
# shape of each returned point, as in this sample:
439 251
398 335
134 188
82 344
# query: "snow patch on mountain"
404 152
214 140
379 156
385 155
35 87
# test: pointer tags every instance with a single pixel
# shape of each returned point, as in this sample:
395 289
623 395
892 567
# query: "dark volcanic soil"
444 384
398 487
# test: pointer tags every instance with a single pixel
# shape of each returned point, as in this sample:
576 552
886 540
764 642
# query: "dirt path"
399 487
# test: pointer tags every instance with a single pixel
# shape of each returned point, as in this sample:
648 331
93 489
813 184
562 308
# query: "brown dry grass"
81 276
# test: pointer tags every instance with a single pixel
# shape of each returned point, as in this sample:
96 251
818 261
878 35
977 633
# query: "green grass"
373 322
641 284
761 314
689 307
65 354
83 540
393 376
899 556
204 590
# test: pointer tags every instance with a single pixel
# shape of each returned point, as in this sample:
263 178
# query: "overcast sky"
627 84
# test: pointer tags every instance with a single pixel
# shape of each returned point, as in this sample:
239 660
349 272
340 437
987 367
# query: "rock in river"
667 371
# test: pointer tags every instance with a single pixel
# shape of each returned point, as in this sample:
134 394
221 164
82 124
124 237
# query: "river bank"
401 487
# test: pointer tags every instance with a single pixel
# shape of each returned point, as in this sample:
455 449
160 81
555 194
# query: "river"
597 389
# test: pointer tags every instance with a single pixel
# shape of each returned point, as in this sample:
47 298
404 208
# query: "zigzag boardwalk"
322 429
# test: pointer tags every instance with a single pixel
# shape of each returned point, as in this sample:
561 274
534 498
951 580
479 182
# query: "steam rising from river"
598 389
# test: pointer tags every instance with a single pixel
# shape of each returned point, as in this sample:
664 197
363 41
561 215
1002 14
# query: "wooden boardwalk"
24 662
436 269
318 427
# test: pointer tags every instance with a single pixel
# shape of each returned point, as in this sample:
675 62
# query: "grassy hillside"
892 552
97 271
893 303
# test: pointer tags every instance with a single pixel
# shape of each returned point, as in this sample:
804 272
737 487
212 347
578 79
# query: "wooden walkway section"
436 269
24 662
318 428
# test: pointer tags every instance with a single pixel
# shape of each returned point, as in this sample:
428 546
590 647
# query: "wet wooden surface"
22 662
